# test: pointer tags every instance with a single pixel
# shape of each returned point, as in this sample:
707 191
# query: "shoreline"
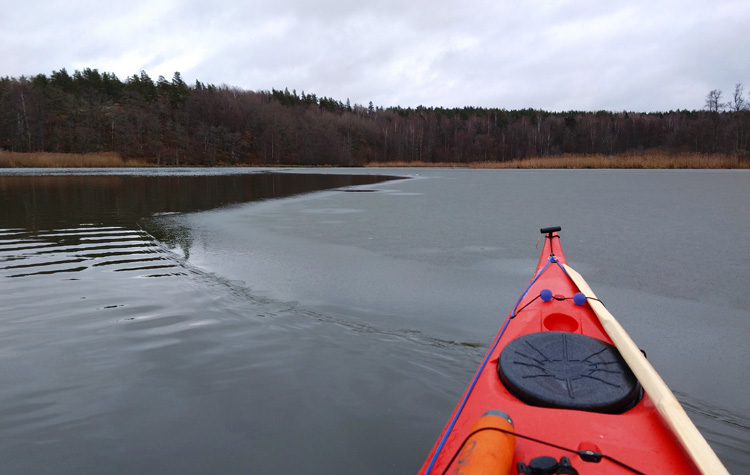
645 160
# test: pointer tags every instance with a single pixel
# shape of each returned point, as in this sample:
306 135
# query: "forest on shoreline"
168 122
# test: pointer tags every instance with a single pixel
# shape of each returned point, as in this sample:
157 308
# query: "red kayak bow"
554 395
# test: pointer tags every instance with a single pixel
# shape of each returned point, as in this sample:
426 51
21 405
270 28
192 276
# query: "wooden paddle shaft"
666 403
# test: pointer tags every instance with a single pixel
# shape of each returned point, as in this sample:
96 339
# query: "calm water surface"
186 322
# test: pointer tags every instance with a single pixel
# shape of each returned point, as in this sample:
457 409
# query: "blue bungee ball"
546 295
579 298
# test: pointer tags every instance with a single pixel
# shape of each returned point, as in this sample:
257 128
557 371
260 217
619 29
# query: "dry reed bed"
632 161
66 160
647 160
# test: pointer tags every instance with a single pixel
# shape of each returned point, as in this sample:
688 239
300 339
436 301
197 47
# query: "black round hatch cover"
568 371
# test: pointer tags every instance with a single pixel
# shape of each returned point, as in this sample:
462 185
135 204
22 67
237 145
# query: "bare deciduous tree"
713 101
738 106
738 102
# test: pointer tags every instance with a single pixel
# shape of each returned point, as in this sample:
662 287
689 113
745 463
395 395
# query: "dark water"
151 323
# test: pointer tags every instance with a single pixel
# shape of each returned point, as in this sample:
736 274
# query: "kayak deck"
629 432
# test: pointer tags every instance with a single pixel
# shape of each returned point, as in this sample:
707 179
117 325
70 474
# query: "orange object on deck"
488 451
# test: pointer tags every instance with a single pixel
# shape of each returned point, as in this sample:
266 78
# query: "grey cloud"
561 55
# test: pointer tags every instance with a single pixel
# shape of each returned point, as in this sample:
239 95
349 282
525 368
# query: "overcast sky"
635 55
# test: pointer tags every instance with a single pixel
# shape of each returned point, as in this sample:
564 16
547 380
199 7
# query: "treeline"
173 123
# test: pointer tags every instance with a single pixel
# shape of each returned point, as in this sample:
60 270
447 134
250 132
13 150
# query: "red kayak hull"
637 437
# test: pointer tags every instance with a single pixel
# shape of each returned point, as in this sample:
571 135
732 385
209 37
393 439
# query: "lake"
328 320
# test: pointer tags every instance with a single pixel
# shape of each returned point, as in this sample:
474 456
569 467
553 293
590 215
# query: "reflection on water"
39 202
67 224
69 219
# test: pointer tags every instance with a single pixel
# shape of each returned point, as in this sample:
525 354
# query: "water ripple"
76 250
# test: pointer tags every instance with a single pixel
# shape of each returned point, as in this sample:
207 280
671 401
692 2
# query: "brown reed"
66 160
645 160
